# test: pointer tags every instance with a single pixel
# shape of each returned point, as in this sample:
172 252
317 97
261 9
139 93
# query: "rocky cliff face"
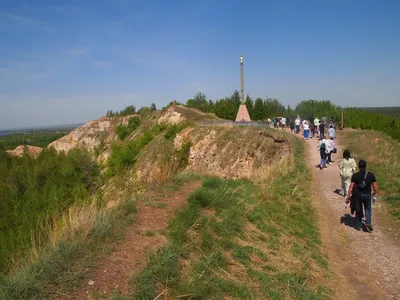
90 135
31 150
230 152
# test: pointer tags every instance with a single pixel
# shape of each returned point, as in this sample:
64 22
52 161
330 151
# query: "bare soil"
141 238
365 265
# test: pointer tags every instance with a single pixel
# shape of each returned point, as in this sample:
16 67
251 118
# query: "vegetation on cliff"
33 192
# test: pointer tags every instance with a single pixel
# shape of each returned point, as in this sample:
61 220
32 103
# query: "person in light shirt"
316 124
306 129
297 124
283 123
331 132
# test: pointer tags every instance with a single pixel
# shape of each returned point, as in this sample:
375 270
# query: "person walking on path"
297 124
359 193
347 167
283 123
306 129
316 123
331 132
291 126
323 150
321 129
331 146
312 128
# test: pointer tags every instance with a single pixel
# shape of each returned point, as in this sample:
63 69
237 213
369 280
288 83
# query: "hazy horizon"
69 62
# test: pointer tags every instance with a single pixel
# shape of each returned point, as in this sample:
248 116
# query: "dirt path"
367 265
141 238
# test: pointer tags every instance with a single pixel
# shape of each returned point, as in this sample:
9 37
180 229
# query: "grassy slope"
382 155
82 237
243 240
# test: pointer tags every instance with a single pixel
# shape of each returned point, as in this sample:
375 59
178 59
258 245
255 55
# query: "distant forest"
388 111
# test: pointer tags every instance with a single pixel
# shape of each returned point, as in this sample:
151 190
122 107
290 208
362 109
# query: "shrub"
123 131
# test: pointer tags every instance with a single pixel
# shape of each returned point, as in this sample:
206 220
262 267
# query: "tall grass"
239 239
57 265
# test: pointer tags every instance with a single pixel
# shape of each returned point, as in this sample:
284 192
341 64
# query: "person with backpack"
347 167
323 151
359 195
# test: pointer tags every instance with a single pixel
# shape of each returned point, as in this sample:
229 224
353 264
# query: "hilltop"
165 204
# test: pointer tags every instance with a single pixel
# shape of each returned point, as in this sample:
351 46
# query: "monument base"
243 114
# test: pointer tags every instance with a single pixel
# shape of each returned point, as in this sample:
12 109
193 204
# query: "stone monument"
243 114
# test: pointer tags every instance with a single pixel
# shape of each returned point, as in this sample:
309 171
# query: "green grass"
61 269
241 240
382 155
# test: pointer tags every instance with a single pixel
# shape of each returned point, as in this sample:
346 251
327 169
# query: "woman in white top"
306 129
347 168
331 145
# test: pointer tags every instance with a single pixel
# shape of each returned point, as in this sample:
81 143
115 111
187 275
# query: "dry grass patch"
243 240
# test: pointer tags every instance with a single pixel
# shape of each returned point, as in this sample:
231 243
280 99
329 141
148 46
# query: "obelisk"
243 114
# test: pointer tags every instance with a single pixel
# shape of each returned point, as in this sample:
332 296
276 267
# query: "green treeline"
262 109
227 108
33 191
130 110
40 139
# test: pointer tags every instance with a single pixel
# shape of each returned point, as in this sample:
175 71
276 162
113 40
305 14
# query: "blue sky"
70 61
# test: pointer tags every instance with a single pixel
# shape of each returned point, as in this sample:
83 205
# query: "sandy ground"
367 265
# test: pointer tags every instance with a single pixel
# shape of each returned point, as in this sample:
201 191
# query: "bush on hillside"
123 131
33 191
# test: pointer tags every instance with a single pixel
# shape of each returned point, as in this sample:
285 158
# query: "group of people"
358 188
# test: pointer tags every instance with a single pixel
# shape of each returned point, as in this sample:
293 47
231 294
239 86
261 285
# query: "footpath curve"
365 265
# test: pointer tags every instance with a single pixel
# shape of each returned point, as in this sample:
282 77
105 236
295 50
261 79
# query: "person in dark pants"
359 193
321 129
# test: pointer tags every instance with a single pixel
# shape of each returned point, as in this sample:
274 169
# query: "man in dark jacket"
321 129
359 193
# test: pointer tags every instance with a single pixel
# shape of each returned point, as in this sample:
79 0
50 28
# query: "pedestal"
243 114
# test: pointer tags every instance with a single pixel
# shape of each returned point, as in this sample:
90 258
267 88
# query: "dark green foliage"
388 111
359 119
174 129
32 191
38 139
227 108
310 109
182 155
125 154
129 110
123 131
